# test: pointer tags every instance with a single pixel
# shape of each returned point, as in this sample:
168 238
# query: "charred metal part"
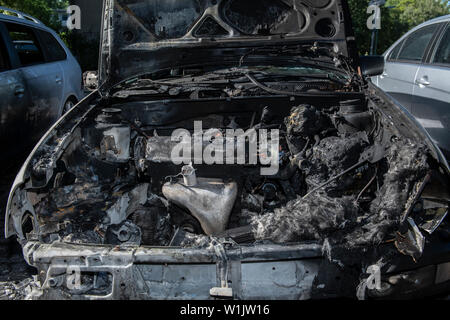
412 243
90 80
280 272
431 226
189 176
182 219
270 191
368 185
154 224
116 136
125 233
109 117
116 144
443 273
240 235
268 89
417 194
127 204
185 239
139 154
209 200
223 265
167 34
355 117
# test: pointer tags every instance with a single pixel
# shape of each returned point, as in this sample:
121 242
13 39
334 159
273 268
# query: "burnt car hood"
146 36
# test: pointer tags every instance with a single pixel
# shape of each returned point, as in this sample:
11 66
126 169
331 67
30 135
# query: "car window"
442 55
4 59
394 53
54 50
416 44
25 44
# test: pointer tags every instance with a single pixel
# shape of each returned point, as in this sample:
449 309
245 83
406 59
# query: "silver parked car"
417 74
39 80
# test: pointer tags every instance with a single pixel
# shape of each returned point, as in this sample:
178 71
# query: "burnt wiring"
368 185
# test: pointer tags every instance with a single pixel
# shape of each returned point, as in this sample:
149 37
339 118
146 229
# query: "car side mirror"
372 65
90 80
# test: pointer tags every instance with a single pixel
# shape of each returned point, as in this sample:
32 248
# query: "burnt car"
234 150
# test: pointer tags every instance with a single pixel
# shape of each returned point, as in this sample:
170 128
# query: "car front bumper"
69 271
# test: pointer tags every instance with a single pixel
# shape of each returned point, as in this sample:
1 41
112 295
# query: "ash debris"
342 220
26 289
407 166
313 219
332 156
304 126
363 207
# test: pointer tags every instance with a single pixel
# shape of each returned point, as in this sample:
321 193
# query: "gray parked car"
39 80
417 74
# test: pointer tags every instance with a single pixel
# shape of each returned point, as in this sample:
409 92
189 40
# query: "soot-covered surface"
342 220
16 277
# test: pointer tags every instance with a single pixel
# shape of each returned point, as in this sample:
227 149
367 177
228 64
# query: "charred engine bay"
346 176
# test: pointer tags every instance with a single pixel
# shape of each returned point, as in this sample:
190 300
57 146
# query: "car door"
14 102
432 93
71 76
402 65
44 79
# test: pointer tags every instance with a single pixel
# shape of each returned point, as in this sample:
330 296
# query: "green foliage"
358 10
40 9
414 12
396 21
